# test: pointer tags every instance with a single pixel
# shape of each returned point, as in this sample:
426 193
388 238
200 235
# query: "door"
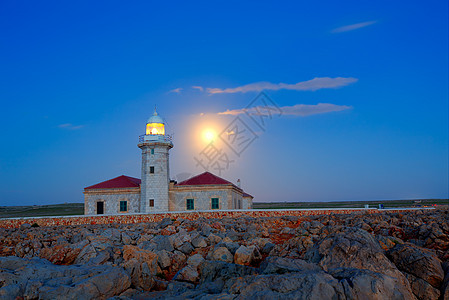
100 207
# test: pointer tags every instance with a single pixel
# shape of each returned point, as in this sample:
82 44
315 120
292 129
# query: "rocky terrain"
340 256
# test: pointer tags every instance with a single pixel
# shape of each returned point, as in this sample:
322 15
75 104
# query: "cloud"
298 110
198 88
177 90
69 126
352 27
309 85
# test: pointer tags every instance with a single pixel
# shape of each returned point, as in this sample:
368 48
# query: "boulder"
222 254
213 239
220 272
366 284
247 255
38 278
60 254
310 285
164 223
157 243
422 289
419 262
178 260
163 259
195 260
25 226
186 248
141 265
281 265
354 248
199 242
189 273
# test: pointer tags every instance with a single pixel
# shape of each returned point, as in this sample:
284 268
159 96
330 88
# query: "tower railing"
156 138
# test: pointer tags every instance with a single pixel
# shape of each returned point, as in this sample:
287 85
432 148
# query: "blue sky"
79 80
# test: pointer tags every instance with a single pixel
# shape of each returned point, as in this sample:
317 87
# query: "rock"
310 285
205 229
189 273
386 242
213 239
445 285
113 234
176 241
260 242
163 259
32 278
419 262
221 271
178 260
101 258
281 265
164 223
222 254
366 284
199 242
11 291
127 239
141 265
267 248
186 248
247 255
25 226
195 260
422 289
356 249
232 246
157 243
60 254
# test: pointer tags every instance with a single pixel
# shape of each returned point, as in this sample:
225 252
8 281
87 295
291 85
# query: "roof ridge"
205 178
122 181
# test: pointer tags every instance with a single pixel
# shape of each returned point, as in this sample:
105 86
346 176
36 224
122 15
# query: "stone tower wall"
155 185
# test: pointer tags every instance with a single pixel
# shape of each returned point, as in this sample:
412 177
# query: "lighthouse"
154 192
155 145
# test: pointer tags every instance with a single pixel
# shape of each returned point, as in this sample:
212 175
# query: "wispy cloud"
198 87
177 90
69 126
352 27
298 110
309 85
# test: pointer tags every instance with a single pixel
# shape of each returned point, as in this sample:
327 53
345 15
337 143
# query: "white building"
155 192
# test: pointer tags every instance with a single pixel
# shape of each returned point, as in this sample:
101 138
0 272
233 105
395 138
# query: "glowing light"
155 128
209 135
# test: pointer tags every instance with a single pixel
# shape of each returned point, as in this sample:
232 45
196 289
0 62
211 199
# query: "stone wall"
247 202
155 185
156 217
202 199
111 200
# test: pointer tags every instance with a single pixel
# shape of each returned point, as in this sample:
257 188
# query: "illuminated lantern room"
155 125
155 131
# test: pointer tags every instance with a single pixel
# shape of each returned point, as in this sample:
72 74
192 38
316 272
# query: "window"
123 205
190 205
151 202
151 170
214 203
152 150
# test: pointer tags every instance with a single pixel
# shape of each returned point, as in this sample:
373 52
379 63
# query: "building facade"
155 192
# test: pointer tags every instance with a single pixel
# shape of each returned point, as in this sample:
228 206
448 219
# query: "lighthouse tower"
155 145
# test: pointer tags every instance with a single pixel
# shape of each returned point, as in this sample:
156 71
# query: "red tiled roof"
205 178
116 183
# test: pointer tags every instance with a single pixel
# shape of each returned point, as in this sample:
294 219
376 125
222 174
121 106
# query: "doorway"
100 207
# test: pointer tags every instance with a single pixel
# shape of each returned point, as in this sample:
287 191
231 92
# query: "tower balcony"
149 138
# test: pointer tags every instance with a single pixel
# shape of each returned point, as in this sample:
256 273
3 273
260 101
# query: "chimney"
239 183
